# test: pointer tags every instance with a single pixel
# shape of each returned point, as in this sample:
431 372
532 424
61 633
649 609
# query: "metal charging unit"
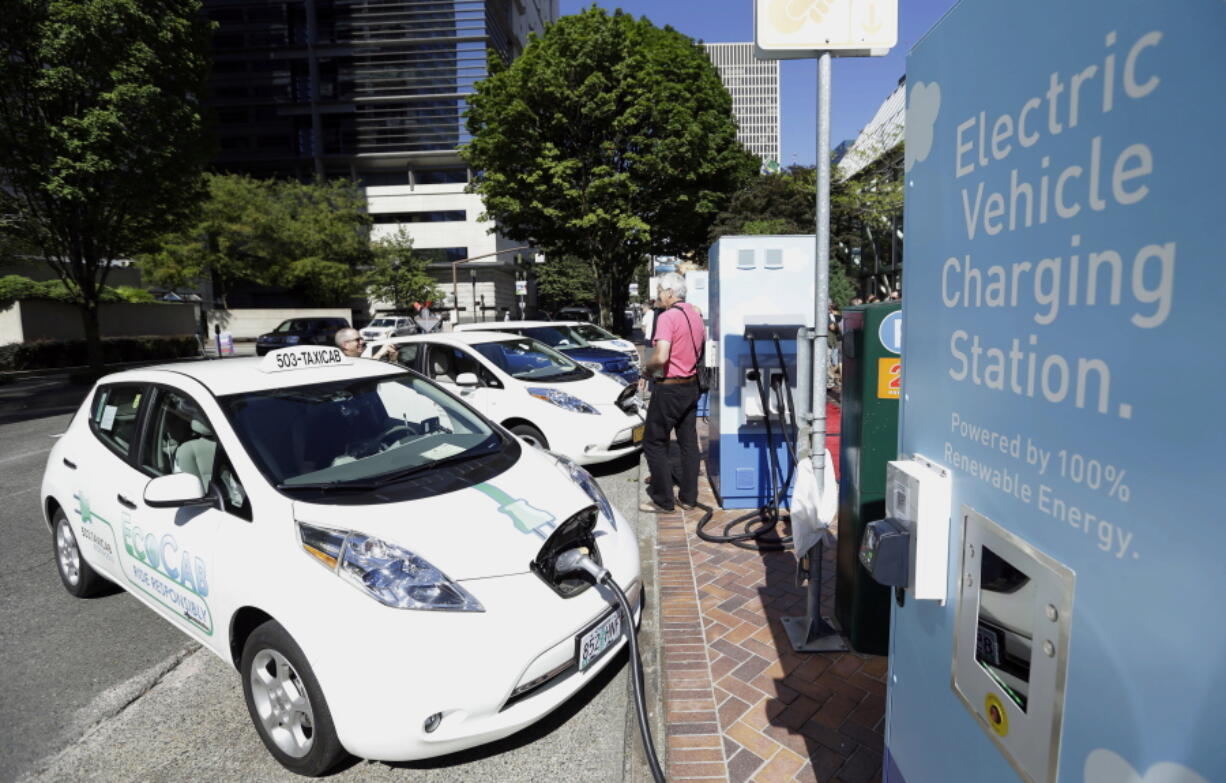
872 375
762 286
1062 417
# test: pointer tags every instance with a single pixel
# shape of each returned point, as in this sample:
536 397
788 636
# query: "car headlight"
390 574
563 400
587 483
292 339
593 366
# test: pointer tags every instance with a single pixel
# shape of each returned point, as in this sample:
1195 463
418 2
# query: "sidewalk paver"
741 705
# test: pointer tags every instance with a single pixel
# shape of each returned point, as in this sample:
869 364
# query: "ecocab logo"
923 108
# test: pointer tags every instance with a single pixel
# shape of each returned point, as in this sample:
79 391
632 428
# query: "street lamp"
472 274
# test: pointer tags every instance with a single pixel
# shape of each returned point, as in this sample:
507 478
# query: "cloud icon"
1106 766
922 109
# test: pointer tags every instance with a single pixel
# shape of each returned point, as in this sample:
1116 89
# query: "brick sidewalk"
740 704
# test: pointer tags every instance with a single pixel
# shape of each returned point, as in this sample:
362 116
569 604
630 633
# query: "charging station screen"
1006 625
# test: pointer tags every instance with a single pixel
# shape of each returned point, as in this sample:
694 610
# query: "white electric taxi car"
603 338
374 556
536 392
386 326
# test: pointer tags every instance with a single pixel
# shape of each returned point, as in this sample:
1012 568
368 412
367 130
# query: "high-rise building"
372 90
754 86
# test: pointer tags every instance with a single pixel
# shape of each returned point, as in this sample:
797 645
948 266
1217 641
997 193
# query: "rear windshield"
359 433
383 322
529 360
292 325
593 332
557 336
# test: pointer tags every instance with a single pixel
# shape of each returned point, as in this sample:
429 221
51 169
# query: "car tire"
78 577
530 434
296 729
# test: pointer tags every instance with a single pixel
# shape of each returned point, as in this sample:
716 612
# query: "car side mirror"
467 380
176 490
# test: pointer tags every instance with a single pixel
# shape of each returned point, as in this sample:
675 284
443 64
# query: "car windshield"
557 336
593 332
292 325
359 432
529 360
379 322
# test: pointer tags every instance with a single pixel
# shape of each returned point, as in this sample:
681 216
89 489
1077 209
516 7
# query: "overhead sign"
847 28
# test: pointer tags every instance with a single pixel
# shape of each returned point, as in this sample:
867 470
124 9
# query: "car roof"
501 325
451 338
244 374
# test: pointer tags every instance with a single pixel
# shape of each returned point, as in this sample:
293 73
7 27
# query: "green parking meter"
872 385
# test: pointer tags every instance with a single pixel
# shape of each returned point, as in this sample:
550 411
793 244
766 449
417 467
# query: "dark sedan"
300 331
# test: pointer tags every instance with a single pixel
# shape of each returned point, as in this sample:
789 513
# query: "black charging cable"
757 530
578 560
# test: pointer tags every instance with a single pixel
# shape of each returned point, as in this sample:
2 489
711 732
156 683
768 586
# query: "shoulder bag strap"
699 352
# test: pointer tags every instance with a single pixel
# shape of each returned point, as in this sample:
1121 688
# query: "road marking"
18 492
23 456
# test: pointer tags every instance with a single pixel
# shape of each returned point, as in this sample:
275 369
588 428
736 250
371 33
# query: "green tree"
783 203
310 237
608 139
101 132
399 275
565 280
865 212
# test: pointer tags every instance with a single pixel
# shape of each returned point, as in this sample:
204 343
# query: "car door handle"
70 463
125 502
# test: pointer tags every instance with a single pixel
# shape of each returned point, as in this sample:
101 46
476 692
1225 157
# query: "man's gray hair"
672 282
345 335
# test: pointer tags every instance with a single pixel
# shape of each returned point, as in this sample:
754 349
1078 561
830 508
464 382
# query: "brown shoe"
651 507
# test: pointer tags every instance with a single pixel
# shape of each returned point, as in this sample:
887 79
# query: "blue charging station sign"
1064 180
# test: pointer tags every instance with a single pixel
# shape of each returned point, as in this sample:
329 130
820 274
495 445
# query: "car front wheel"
286 703
78 577
531 435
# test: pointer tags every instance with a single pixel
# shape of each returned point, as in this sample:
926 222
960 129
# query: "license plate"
596 642
637 434
989 645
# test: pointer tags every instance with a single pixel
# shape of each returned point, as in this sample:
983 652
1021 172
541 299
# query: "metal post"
813 633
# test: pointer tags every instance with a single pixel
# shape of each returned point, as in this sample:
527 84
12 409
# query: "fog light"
432 722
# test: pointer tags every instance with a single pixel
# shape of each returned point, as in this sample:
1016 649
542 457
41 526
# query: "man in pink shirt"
679 336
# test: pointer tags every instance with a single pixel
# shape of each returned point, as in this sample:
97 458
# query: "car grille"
574 532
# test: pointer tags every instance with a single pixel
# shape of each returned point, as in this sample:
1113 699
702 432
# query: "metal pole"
817 434
813 633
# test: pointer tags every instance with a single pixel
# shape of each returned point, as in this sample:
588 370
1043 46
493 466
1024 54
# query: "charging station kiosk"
696 287
1056 496
761 293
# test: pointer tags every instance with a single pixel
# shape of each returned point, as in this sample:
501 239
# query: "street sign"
634 289
521 287
785 29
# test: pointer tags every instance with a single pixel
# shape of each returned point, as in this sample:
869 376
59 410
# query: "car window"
593 332
446 363
115 416
406 354
380 322
357 430
529 360
284 327
181 439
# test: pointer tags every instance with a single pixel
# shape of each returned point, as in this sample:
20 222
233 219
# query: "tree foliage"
310 237
608 139
398 274
101 136
565 280
865 210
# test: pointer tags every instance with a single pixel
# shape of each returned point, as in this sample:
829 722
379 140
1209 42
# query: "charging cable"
577 560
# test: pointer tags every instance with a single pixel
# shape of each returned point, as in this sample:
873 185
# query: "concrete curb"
636 768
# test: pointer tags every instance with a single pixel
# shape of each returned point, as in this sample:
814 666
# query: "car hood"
494 528
598 389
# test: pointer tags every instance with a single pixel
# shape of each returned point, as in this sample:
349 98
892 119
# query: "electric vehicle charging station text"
760 288
1064 368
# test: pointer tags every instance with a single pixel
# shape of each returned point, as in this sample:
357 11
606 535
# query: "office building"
754 86
372 90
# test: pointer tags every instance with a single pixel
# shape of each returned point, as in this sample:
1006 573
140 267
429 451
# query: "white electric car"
540 394
375 557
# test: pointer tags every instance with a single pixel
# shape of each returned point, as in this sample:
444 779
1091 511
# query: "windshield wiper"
389 478
327 486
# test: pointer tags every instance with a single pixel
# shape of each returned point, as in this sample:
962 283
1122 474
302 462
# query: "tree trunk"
93 334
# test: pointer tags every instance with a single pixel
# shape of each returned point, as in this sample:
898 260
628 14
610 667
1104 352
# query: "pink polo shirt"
682 326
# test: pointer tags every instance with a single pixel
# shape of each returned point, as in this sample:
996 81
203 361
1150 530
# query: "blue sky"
858 86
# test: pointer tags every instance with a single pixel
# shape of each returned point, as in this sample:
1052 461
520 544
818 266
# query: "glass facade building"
754 86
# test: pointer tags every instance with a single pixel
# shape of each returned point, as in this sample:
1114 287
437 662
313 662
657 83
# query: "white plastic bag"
813 511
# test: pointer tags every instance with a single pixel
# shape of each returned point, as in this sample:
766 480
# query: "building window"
377 179
437 216
440 176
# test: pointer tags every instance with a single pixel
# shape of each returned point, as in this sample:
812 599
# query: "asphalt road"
104 690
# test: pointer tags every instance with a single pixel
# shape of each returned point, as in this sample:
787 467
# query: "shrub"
50 354
16 288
